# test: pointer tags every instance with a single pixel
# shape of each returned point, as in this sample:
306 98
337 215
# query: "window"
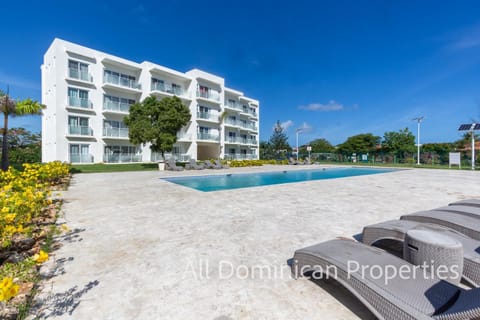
78 98
158 84
205 130
119 79
203 109
78 70
78 126
80 153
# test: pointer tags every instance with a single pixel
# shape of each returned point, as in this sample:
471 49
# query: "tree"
266 152
360 143
399 142
320 146
279 140
11 107
157 122
23 146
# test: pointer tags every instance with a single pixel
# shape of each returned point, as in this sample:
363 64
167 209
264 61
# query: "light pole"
296 133
419 120
473 145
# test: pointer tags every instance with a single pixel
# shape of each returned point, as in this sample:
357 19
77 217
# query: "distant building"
88 92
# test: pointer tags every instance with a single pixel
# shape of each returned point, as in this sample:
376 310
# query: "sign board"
309 148
454 158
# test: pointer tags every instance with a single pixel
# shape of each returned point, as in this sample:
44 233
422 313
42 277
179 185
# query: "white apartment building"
87 93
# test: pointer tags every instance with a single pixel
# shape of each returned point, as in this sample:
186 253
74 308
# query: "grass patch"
100 167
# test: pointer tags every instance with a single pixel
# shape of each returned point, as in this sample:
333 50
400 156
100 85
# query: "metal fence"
427 158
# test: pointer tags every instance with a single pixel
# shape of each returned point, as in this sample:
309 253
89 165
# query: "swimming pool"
246 180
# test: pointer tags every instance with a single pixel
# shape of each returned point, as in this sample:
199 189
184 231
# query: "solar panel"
477 126
465 127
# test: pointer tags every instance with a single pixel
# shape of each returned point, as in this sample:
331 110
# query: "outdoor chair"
193 165
172 166
467 224
210 165
417 296
396 230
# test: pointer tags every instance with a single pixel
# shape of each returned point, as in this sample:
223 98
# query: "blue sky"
337 68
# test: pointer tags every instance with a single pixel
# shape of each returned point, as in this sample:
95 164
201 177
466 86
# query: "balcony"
208 136
235 140
250 126
252 141
82 103
80 158
79 75
80 131
240 156
122 157
209 95
121 133
169 88
121 82
232 123
179 157
233 105
116 106
207 116
184 137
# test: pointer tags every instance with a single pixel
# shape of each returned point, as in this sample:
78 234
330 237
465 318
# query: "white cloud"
287 124
330 106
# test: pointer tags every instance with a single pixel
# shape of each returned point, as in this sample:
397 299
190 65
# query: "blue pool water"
246 180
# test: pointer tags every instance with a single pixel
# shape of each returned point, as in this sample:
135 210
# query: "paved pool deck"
144 248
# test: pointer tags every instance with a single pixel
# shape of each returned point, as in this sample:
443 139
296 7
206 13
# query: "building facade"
87 94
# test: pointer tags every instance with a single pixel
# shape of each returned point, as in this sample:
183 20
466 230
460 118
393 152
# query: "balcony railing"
252 141
81 158
116 106
122 157
207 136
115 132
239 156
210 94
79 102
207 116
80 130
80 75
235 140
233 105
232 122
183 137
119 81
166 87
179 157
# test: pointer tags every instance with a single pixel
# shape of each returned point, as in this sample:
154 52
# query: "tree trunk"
4 141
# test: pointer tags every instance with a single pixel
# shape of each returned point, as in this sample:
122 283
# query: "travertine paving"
144 248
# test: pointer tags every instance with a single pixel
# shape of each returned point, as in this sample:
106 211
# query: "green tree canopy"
157 122
320 146
23 146
399 142
11 107
360 143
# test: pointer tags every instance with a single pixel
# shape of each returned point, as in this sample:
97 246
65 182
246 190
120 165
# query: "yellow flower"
40 257
8 289
10 217
65 228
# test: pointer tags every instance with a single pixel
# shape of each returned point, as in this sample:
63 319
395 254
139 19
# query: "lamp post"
296 133
419 120
473 145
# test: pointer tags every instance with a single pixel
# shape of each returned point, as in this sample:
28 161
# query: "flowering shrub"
23 196
250 163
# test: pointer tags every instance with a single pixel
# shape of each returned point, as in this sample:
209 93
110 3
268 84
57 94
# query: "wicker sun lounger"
192 165
397 229
467 202
415 297
469 226
172 166
210 165
466 210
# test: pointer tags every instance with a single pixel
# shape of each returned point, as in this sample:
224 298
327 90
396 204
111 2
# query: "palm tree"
10 107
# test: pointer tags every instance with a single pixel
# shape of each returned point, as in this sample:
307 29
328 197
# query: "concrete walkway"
143 248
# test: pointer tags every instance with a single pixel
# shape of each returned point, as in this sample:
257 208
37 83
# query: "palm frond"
28 107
